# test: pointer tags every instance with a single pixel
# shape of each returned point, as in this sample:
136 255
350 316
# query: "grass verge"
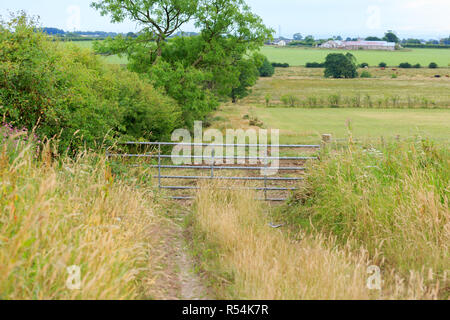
62 212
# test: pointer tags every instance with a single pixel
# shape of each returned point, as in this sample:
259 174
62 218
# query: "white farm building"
359 45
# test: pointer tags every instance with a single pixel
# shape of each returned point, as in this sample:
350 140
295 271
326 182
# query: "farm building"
359 45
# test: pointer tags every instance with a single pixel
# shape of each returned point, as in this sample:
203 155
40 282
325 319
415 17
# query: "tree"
159 18
195 71
338 65
298 37
373 39
266 69
249 74
390 36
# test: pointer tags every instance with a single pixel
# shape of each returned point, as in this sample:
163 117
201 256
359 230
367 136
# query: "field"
111 59
412 88
300 56
298 125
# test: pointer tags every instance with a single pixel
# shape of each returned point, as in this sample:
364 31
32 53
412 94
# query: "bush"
314 65
290 100
280 65
267 69
394 76
405 65
338 65
366 74
433 65
417 66
70 93
382 65
364 65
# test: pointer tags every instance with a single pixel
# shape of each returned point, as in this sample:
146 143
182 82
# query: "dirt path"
176 276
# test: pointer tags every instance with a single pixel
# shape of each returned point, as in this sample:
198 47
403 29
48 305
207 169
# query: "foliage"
363 65
280 65
433 65
365 74
314 65
382 65
248 75
267 69
405 65
196 71
68 92
338 65
390 36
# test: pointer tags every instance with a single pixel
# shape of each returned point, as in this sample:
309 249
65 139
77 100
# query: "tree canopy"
338 65
196 71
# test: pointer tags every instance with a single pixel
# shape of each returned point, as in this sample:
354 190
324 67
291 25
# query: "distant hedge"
280 65
314 65
425 46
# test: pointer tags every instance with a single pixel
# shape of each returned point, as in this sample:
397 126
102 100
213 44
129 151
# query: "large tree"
338 65
195 71
159 19
390 36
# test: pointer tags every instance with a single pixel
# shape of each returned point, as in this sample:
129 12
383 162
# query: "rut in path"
177 279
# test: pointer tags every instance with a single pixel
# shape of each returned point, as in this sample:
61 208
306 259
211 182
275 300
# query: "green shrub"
338 65
267 69
405 65
364 65
365 74
290 100
334 100
394 76
68 92
314 65
280 65
433 65
417 66
382 65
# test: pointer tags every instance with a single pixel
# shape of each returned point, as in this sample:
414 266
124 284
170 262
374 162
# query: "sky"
321 18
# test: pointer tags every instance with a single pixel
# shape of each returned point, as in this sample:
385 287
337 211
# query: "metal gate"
289 172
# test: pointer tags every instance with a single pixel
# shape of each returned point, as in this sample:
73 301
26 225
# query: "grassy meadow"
299 125
300 56
412 88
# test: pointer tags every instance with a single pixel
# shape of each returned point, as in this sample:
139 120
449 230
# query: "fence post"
265 179
159 166
213 163
326 138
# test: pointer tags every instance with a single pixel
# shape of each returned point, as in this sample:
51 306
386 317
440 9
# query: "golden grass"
255 261
55 214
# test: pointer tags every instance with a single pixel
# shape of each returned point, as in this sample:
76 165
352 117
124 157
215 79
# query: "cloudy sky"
321 18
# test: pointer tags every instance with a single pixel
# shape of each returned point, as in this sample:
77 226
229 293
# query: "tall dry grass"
260 262
55 213
392 199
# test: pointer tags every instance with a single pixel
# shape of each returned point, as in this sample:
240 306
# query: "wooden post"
326 138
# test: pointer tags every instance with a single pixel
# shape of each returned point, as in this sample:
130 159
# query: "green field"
413 88
300 56
111 59
307 125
